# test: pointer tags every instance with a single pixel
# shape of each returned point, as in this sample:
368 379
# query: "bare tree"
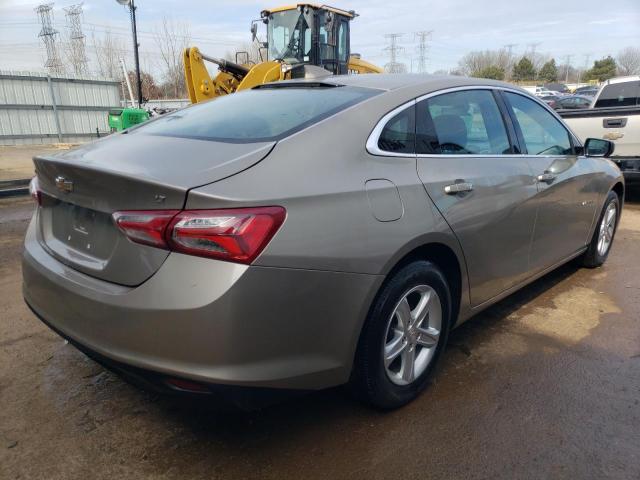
172 37
108 51
247 52
628 61
477 61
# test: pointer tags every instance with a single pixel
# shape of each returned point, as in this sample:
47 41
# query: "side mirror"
598 147
254 31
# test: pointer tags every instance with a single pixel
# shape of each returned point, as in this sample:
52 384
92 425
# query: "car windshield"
289 36
258 115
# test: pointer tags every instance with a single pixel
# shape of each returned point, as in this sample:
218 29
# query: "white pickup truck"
614 115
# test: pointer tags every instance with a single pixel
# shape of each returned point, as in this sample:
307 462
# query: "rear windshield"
623 94
264 114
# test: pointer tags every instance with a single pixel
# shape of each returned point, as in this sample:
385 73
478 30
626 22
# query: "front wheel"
602 239
403 336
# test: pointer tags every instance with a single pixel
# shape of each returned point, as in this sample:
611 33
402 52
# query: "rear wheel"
602 239
403 337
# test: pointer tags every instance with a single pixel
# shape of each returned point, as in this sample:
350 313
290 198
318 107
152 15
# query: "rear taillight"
34 190
236 235
146 227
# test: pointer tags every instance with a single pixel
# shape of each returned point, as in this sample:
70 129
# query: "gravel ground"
545 384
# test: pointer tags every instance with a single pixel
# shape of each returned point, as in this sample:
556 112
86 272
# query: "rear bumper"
209 321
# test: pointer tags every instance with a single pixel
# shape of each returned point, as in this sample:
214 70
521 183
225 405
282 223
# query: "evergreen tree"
523 70
602 70
549 72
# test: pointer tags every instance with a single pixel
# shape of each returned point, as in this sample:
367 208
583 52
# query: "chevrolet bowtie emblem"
63 184
613 135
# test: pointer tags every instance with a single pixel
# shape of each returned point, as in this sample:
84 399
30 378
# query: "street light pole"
132 7
134 30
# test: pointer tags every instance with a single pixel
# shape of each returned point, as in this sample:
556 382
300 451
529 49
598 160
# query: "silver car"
307 234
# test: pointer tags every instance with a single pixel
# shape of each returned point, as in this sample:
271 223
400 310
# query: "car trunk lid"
82 188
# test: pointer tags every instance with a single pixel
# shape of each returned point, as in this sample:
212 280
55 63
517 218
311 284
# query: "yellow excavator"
303 41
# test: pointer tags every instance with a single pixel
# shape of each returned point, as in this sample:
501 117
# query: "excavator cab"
307 34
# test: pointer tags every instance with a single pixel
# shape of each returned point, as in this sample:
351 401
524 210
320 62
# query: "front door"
484 190
566 200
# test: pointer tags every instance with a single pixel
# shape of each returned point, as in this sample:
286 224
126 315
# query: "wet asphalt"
545 384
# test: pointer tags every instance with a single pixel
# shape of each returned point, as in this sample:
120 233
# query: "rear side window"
263 114
464 122
398 135
543 133
619 95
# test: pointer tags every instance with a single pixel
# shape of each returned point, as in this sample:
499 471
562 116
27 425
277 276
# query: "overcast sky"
559 27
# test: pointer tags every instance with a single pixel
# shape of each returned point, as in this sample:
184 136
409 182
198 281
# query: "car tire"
604 233
398 325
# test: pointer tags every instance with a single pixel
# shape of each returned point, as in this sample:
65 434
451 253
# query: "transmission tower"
533 47
509 47
423 49
568 62
77 53
393 49
49 35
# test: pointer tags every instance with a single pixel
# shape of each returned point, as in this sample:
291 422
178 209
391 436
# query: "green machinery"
122 118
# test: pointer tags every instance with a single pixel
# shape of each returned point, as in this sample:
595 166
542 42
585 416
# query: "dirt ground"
544 385
16 163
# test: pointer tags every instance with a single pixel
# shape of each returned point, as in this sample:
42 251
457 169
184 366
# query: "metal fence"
37 109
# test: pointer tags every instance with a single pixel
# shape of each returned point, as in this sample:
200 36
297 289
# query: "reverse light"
236 235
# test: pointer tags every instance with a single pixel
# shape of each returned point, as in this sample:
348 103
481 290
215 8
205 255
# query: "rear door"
482 187
566 196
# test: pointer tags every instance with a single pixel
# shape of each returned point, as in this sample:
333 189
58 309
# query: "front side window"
624 94
289 36
543 133
257 115
398 135
464 122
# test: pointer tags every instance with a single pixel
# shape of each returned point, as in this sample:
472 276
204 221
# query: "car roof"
395 81
630 78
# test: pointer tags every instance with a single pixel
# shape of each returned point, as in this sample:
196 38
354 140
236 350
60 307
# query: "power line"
49 36
423 48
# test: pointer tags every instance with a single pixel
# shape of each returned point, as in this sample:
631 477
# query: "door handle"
546 177
458 188
614 122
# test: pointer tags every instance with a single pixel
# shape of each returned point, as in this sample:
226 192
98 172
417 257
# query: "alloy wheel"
412 335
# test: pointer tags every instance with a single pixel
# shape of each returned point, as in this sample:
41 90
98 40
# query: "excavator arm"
231 76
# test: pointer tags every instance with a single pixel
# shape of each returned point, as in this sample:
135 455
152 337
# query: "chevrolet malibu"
307 234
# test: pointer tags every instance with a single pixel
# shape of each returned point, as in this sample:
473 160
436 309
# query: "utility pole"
134 30
587 57
567 61
393 49
423 49
76 38
49 35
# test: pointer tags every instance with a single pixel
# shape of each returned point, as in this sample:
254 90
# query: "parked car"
560 88
306 234
551 100
573 102
589 91
614 115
